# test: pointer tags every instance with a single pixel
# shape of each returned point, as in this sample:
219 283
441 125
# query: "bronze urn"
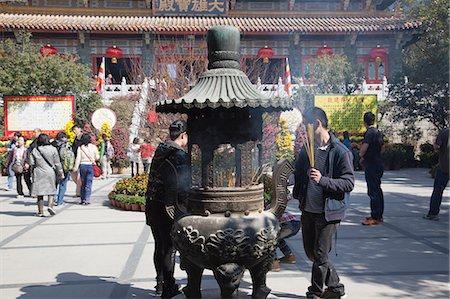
224 226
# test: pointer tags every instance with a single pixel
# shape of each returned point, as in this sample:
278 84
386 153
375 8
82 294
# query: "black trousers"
132 168
164 256
27 179
317 239
374 173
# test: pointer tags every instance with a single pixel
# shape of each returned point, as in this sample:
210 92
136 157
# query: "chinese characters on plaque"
190 7
345 113
49 113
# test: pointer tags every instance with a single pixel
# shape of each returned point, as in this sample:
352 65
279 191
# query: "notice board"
345 113
50 113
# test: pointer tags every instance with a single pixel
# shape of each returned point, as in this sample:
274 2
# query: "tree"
23 71
331 74
424 95
120 143
86 104
269 145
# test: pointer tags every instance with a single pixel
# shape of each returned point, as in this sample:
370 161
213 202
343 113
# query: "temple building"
141 38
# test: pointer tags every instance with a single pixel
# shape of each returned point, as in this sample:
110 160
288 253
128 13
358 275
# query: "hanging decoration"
48 50
322 51
265 53
152 117
378 53
114 53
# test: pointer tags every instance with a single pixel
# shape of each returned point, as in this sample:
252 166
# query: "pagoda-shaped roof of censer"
223 84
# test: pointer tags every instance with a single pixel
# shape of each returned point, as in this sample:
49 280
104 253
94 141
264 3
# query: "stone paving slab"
100 252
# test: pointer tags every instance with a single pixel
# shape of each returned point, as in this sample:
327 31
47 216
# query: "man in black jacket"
331 177
168 182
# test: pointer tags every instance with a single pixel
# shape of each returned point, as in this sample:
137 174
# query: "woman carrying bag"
17 160
47 169
87 154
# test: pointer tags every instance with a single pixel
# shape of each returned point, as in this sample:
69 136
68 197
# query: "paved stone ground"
99 252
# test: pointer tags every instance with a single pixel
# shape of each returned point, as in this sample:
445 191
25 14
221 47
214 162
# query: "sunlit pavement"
97 251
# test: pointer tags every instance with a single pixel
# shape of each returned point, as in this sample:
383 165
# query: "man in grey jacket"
331 177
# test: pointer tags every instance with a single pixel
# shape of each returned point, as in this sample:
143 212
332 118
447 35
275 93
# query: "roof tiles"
202 24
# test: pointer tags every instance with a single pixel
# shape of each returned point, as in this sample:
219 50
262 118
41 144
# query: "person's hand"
315 175
26 166
361 162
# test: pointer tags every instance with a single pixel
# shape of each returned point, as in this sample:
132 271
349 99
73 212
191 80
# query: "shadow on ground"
71 285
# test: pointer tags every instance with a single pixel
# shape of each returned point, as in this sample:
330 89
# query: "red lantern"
265 53
324 51
114 53
378 53
48 50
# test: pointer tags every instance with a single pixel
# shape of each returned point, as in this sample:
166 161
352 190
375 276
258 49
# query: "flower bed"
129 194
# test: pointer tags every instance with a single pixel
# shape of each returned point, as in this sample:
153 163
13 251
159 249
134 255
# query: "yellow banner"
345 113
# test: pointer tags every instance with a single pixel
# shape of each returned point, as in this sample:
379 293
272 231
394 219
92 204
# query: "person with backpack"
327 180
106 154
67 157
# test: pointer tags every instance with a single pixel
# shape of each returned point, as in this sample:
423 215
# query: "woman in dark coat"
160 199
46 165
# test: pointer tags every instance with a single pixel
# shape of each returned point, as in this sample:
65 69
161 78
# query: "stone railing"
114 90
272 90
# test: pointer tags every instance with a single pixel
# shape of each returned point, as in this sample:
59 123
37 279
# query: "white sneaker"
19 196
7 189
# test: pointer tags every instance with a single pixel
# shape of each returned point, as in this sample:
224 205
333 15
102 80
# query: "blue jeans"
11 175
288 229
61 190
374 173
87 175
440 182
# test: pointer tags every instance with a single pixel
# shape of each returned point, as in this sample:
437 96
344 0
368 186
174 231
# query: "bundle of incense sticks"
309 144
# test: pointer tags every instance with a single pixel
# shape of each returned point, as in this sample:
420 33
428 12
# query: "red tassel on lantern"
114 53
48 50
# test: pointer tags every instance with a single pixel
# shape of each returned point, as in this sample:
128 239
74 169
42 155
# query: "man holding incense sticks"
323 175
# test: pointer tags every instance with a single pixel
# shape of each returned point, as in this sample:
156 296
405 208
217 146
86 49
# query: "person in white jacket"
87 154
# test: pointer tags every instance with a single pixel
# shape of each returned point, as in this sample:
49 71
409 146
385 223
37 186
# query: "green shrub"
394 156
129 199
428 156
136 186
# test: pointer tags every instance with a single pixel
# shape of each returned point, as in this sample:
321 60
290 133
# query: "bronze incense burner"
224 226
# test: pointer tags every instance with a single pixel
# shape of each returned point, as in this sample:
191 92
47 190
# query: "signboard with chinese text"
49 113
190 7
345 113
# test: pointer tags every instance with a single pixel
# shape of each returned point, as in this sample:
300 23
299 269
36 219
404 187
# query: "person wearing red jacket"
147 150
